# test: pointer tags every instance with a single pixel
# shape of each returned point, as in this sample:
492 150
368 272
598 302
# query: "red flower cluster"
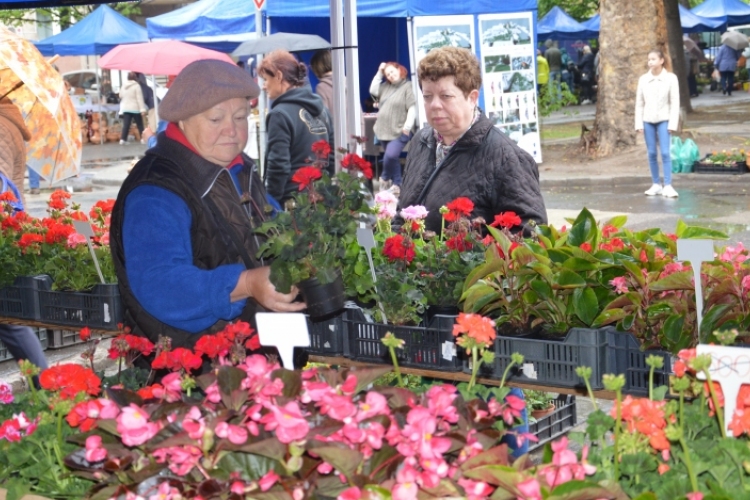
507 220
353 161
399 248
306 176
57 200
646 417
460 207
177 359
219 344
57 232
8 196
613 245
321 149
70 379
609 230
586 246
475 326
102 207
125 343
460 243
29 239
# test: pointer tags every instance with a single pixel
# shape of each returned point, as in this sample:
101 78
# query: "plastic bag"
674 152
689 154
7 185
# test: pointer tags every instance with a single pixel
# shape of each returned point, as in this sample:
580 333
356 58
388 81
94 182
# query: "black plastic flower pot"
322 300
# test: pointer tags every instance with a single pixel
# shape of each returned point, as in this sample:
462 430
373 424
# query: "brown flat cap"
204 84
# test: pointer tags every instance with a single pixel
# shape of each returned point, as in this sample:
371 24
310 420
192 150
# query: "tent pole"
156 106
99 90
412 66
353 108
261 100
337 58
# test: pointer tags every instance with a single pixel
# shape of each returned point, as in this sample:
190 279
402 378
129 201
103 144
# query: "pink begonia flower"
94 450
104 240
258 366
181 459
406 483
267 481
338 407
213 395
440 400
288 422
6 393
512 409
171 390
298 493
734 254
414 212
746 284
235 433
352 493
134 427
194 423
314 391
529 489
475 489
166 492
350 385
620 284
75 239
325 468
696 495
238 488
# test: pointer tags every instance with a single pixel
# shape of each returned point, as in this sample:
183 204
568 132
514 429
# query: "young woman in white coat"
657 113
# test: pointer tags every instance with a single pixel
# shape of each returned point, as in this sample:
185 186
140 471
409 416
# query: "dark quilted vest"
221 231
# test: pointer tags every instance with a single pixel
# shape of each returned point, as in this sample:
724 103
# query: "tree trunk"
629 30
679 65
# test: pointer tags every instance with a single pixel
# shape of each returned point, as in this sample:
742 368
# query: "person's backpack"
7 185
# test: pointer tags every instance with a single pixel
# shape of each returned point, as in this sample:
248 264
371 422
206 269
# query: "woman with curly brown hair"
297 119
461 153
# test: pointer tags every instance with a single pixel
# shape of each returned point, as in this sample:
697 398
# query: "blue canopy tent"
592 24
213 24
558 25
693 23
729 12
35 4
96 34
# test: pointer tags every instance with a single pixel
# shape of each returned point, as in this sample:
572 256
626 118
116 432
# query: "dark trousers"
126 119
727 81
23 343
392 158
692 85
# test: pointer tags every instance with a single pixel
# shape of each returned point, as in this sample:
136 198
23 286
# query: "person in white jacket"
657 113
132 107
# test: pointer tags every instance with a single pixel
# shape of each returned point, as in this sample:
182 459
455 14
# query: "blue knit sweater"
158 249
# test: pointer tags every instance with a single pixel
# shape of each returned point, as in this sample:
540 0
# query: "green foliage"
550 101
580 10
64 16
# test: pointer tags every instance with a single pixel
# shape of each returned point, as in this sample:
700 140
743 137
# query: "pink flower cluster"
18 427
563 468
134 426
6 393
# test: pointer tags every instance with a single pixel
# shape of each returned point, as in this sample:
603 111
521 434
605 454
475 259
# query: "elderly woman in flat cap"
182 228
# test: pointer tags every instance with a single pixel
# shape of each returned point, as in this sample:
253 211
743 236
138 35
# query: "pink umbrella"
157 58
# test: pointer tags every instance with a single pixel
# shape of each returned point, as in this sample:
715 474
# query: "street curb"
584 182
107 182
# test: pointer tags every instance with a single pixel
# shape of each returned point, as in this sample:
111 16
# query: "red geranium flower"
398 248
57 233
70 379
305 176
85 333
321 149
459 243
460 207
178 359
507 220
8 196
28 239
353 161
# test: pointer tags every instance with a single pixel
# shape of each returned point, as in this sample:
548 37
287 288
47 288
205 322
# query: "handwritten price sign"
730 367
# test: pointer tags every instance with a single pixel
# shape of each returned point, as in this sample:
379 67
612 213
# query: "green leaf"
494 456
672 330
660 392
270 448
542 289
580 265
608 316
292 380
618 221
342 459
494 474
676 281
568 279
586 305
579 490
230 379
250 467
584 230
695 232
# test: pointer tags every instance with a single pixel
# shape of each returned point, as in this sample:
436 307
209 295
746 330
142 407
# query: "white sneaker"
653 190
122 142
586 101
669 192
143 141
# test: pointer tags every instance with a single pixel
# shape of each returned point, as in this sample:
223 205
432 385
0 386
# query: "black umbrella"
292 42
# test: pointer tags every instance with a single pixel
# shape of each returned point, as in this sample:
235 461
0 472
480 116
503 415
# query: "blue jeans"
554 79
651 132
34 178
22 343
510 439
391 158
727 81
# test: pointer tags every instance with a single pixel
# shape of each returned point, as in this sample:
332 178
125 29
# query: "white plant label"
285 331
697 252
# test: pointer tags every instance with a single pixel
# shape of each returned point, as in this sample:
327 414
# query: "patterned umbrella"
39 92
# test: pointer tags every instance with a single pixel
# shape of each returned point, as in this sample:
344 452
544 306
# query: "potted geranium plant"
309 240
540 403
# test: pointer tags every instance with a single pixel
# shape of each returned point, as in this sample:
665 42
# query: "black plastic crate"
431 346
101 308
41 333
627 358
710 168
553 362
21 300
555 424
63 338
327 336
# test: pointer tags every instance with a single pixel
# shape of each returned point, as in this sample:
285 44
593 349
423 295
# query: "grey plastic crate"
555 424
431 346
626 357
553 362
41 333
101 308
63 338
21 300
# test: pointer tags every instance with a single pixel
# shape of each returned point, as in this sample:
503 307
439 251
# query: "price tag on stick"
285 331
697 252
730 367
366 240
84 228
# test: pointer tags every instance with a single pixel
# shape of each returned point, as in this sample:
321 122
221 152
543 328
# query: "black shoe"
34 191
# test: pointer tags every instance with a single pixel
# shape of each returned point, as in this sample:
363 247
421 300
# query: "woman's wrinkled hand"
256 284
381 68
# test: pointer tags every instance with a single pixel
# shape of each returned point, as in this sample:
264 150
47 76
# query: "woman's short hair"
133 76
586 49
321 63
461 64
401 70
292 71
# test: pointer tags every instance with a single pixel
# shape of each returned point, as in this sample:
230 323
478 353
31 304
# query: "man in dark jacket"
462 154
296 121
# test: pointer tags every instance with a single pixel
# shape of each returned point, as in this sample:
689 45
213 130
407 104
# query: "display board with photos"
507 56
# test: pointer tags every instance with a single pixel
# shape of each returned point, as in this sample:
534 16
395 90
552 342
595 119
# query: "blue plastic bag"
689 154
7 185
